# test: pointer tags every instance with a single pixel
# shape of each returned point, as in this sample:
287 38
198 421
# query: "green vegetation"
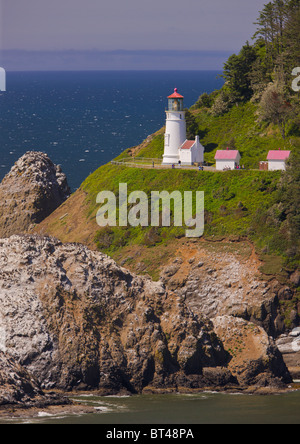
280 222
232 201
254 112
239 125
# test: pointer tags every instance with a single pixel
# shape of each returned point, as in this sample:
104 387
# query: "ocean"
83 120
177 409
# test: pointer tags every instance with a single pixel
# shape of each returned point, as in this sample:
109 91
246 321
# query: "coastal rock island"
31 191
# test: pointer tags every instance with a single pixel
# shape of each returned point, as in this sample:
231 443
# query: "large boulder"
255 359
31 191
74 319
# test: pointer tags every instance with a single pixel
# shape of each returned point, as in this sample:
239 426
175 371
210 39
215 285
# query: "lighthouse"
175 133
177 148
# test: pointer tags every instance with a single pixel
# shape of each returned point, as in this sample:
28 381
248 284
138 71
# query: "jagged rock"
31 191
228 286
255 359
289 345
18 388
74 319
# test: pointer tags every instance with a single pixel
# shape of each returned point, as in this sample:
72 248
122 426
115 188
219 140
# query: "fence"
147 162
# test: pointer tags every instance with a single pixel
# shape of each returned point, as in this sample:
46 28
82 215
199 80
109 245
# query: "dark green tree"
289 197
236 73
291 37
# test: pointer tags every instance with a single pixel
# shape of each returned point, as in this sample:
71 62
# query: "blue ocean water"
83 120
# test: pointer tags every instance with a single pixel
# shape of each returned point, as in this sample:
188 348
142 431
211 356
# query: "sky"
93 32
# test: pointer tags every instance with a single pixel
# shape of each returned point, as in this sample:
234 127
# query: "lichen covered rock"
31 191
74 319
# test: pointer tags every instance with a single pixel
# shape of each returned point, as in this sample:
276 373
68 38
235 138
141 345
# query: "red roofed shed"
277 159
227 159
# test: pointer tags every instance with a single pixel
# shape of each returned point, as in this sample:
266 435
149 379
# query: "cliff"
72 319
31 191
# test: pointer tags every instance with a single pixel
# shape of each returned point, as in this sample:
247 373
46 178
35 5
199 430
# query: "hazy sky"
221 25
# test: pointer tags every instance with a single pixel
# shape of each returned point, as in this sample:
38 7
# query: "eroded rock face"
254 355
31 191
74 319
228 288
222 284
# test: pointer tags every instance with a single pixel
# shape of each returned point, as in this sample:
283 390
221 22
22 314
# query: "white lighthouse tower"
175 134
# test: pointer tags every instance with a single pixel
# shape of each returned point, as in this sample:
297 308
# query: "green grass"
232 199
155 148
252 139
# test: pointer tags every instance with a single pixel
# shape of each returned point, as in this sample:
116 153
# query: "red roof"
278 155
226 154
175 95
187 144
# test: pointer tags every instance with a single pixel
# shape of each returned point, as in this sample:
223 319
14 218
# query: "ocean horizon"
99 60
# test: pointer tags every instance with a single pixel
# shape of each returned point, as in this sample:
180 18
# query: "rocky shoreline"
62 404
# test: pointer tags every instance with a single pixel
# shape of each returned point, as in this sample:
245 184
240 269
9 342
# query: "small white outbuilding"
227 159
277 159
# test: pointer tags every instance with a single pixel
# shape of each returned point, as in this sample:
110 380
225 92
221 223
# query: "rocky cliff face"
73 319
32 189
223 282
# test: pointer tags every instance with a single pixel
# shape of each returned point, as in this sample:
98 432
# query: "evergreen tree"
191 125
289 198
292 36
236 73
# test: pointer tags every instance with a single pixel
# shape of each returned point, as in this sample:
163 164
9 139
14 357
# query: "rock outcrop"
254 355
18 387
289 345
73 319
229 289
31 191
